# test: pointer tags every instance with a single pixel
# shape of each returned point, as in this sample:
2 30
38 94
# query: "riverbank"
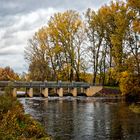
109 92
15 124
114 92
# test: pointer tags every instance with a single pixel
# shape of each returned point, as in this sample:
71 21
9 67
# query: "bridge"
60 87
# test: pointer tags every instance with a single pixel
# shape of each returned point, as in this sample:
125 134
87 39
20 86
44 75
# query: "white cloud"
15 61
14 37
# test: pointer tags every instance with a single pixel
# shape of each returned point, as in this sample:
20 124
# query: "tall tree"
95 34
35 54
66 31
58 48
133 35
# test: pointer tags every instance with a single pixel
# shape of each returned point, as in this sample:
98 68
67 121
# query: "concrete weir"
60 92
59 87
45 92
93 90
14 92
30 92
74 92
88 92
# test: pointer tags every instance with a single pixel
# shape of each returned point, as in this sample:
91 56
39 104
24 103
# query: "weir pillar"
45 92
60 92
14 92
30 92
74 92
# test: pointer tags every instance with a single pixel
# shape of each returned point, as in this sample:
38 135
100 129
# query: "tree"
95 34
66 31
57 48
37 57
133 36
7 74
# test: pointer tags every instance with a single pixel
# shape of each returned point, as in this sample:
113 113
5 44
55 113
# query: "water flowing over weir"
84 118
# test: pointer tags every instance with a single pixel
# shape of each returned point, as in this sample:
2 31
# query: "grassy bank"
15 125
109 91
112 87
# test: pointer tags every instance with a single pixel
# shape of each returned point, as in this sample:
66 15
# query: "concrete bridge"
44 87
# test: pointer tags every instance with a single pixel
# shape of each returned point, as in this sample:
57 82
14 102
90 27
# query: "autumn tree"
35 54
133 36
130 79
58 48
8 74
95 34
66 32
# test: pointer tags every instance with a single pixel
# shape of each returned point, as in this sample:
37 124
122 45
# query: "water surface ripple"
84 118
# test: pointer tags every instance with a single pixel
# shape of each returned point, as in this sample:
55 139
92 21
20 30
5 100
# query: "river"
84 118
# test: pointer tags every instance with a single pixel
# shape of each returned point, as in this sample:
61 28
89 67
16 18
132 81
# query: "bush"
130 85
15 125
135 108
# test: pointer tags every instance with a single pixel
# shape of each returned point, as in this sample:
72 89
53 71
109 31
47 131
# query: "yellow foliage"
129 83
136 26
113 74
15 125
124 86
124 74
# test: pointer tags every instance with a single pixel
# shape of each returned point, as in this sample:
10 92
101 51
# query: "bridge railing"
47 84
36 84
64 84
80 84
50 84
21 84
4 83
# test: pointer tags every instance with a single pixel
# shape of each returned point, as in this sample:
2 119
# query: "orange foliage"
8 74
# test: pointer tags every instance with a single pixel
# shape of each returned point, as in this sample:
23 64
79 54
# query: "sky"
20 19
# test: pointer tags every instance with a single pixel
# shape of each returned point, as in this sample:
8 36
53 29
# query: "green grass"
112 87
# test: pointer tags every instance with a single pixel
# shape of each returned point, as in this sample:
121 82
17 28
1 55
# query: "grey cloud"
24 6
12 50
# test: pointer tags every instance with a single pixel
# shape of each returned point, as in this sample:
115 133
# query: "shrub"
130 85
15 125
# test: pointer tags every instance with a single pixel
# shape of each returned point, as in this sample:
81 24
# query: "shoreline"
17 124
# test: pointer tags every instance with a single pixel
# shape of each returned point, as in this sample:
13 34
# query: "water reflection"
84 118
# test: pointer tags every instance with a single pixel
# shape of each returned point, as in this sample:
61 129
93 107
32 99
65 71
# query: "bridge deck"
48 84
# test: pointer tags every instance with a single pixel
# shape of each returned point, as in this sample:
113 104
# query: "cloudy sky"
20 19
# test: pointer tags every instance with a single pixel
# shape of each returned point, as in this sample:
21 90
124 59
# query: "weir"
59 87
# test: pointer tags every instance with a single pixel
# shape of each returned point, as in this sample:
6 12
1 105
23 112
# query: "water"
84 118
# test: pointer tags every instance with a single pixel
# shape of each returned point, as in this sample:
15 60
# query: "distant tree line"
7 74
105 42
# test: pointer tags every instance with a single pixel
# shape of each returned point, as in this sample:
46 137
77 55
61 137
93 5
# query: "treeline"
105 42
7 74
